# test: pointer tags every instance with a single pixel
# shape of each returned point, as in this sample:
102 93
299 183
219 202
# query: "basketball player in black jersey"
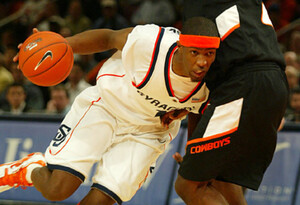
232 143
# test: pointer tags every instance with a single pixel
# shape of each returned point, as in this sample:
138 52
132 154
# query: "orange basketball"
46 58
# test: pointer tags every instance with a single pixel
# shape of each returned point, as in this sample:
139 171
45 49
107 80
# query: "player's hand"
178 158
16 57
169 117
281 124
35 30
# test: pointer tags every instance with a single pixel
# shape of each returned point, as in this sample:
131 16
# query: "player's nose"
201 62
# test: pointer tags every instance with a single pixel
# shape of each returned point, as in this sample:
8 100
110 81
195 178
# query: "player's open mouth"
199 74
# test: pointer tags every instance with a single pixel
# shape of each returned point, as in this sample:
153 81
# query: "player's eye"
210 53
194 52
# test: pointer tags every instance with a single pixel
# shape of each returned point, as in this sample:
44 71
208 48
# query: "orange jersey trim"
211 137
113 75
230 31
92 103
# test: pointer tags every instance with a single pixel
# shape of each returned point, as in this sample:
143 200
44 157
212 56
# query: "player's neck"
177 64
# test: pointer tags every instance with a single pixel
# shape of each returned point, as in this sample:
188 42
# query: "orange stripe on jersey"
211 137
171 138
113 75
92 103
230 31
141 183
153 58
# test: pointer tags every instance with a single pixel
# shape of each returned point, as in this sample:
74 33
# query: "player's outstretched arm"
98 40
94 41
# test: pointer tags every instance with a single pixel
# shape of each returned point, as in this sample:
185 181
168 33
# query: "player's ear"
178 44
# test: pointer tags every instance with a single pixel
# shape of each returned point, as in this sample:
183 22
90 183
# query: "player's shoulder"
152 29
144 38
145 30
172 31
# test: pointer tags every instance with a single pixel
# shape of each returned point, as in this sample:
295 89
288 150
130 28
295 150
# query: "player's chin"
196 79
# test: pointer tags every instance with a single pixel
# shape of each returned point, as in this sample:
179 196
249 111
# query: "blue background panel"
279 187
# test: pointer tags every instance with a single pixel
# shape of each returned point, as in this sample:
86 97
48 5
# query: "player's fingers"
35 30
178 158
183 113
178 114
16 57
169 121
165 122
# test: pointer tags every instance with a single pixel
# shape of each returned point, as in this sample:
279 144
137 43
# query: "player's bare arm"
97 40
94 41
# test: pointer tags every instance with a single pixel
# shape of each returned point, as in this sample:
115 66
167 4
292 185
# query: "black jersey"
251 41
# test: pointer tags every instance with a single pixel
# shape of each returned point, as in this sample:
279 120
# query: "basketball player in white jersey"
128 118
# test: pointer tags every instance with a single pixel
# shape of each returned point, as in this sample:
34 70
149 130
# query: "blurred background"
27 110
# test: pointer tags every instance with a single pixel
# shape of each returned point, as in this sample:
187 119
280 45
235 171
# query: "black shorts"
236 136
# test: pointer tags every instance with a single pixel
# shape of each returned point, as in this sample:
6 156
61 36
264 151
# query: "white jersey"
117 122
137 81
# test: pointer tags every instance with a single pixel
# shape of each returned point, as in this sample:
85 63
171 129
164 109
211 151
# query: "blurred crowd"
69 17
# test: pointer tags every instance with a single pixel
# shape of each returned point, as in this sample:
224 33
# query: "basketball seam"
50 66
67 69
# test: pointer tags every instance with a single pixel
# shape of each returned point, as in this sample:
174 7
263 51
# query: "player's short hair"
200 26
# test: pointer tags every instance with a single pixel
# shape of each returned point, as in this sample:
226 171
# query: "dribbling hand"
16 57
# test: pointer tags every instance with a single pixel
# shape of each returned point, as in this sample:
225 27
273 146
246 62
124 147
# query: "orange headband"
199 41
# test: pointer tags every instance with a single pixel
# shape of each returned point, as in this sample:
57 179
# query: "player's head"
200 26
197 45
